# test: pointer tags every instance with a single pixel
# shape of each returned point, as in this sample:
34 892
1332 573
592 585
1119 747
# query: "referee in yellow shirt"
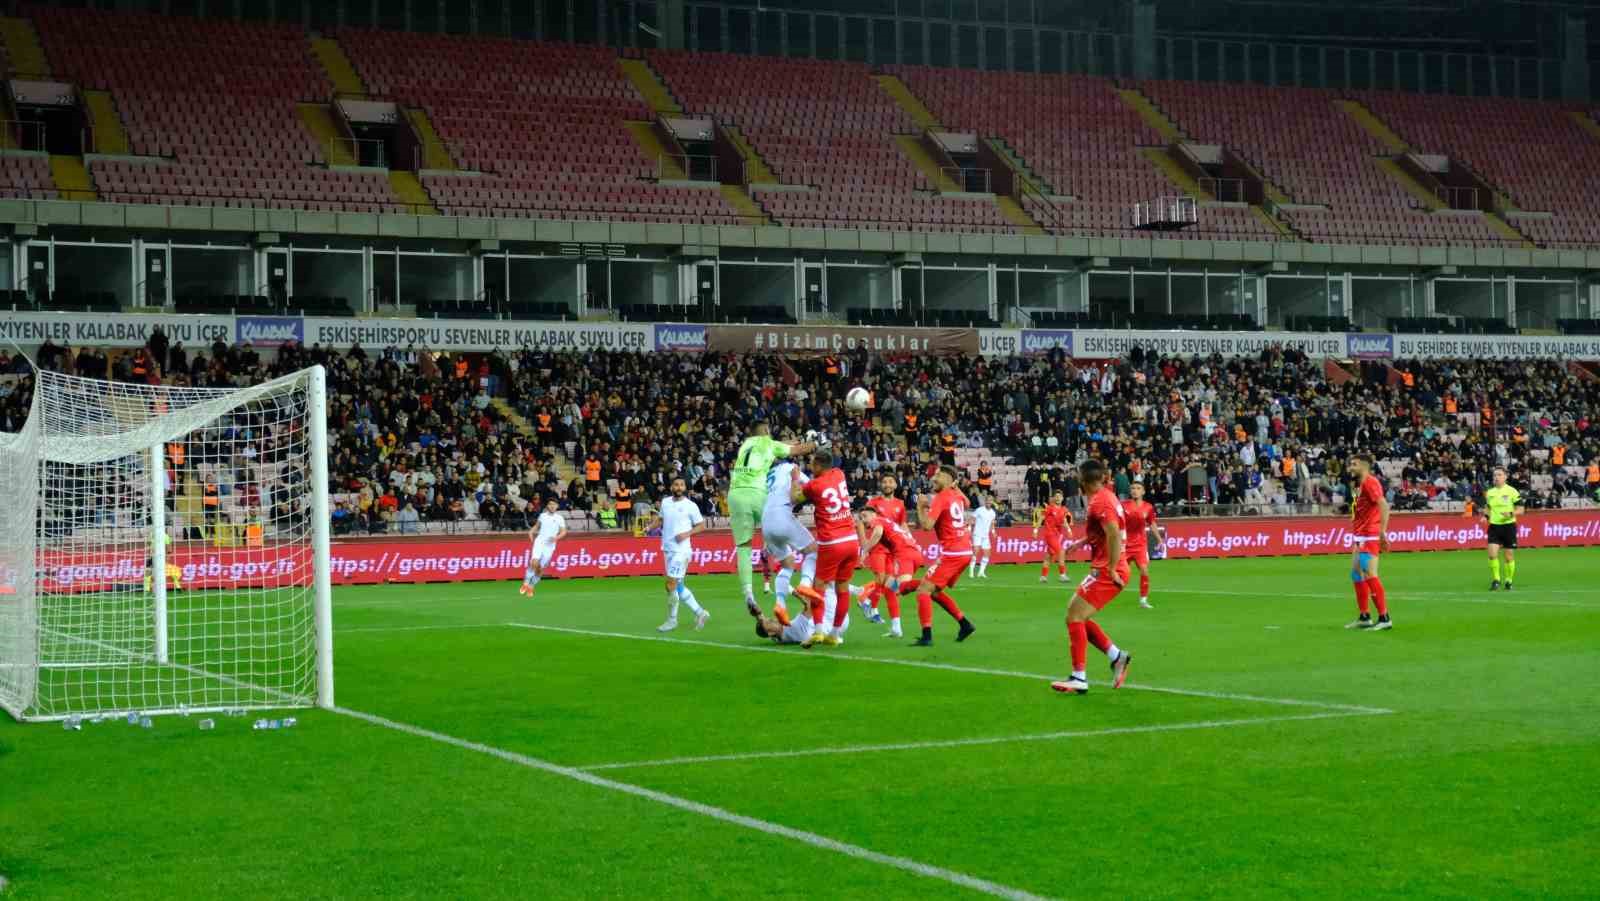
1502 504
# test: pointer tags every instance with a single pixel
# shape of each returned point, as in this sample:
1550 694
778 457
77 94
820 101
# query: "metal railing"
24 134
1040 206
691 166
357 152
1172 210
1226 190
970 179
1459 198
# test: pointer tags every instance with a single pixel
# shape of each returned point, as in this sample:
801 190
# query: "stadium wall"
409 559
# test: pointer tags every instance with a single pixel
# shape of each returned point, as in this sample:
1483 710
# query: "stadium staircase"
912 146
23 49
110 137
564 466
435 156
340 71
1391 140
72 178
410 192
1586 122
318 119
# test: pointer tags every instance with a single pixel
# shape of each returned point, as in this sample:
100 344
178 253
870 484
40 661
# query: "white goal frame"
86 449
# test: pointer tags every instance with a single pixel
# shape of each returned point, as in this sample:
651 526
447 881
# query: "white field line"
442 627
1397 597
970 742
923 664
706 810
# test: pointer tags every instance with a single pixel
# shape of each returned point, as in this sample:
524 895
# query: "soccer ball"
856 401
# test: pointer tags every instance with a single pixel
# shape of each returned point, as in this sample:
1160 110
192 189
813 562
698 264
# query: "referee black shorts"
1504 535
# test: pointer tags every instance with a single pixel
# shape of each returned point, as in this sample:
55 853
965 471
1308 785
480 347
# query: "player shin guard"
808 569
819 611
893 602
949 604
1078 640
1362 590
1144 585
780 583
1494 568
841 606
925 610
687 597
1044 571
1511 570
1375 588
1097 636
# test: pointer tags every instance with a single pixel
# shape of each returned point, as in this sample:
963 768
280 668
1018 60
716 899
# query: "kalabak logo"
680 337
1037 341
270 331
1369 347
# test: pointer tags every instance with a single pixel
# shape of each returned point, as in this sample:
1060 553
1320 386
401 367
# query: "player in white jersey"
680 520
800 630
785 541
982 538
550 529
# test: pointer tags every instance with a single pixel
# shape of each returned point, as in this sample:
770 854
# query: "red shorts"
949 571
1139 552
1053 543
880 560
837 562
908 562
1365 544
1098 590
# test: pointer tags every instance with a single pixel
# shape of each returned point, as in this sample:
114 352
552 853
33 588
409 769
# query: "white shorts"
980 544
677 563
782 534
542 554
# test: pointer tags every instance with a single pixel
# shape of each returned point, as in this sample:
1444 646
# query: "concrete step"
651 86
741 200
1016 215
318 119
434 154
23 48
911 146
1153 115
72 178
337 66
901 94
410 191
104 118
644 134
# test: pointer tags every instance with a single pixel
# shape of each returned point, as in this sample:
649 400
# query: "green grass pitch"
1279 754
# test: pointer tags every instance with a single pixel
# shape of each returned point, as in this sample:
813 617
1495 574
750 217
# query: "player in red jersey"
1108 573
1140 515
1056 520
1369 523
838 544
946 514
880 559
905 559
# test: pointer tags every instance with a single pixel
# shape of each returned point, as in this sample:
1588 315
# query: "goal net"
165 549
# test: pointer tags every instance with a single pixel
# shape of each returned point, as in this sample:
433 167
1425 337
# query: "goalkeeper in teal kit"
747 494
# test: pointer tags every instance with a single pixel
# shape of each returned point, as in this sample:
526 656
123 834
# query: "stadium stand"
1533 152
231 140
543 123
1316 154
1078 137
455 436
829 126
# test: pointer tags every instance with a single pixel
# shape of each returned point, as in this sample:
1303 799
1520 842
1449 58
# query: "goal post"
165 549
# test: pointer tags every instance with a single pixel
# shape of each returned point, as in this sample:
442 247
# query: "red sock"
925 610
841 605
1078 638
894 603
1378 599
1361 597
1097 636
948 603
1045 572
870 594
909 585
819 609
1144 586
1063 569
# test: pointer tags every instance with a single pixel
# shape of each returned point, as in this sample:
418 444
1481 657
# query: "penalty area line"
972 742
950 667
813 839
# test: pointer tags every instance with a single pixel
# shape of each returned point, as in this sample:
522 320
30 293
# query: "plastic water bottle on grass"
207 725
133 718
146 723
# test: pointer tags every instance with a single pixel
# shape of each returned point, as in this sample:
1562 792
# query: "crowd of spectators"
419 439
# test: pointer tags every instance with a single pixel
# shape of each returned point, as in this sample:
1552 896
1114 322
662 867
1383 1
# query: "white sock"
687 597
857 591
985 567
894 623
780 584
808 569
1112 653
972 567
532 579
672 608
829 604
1080 675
